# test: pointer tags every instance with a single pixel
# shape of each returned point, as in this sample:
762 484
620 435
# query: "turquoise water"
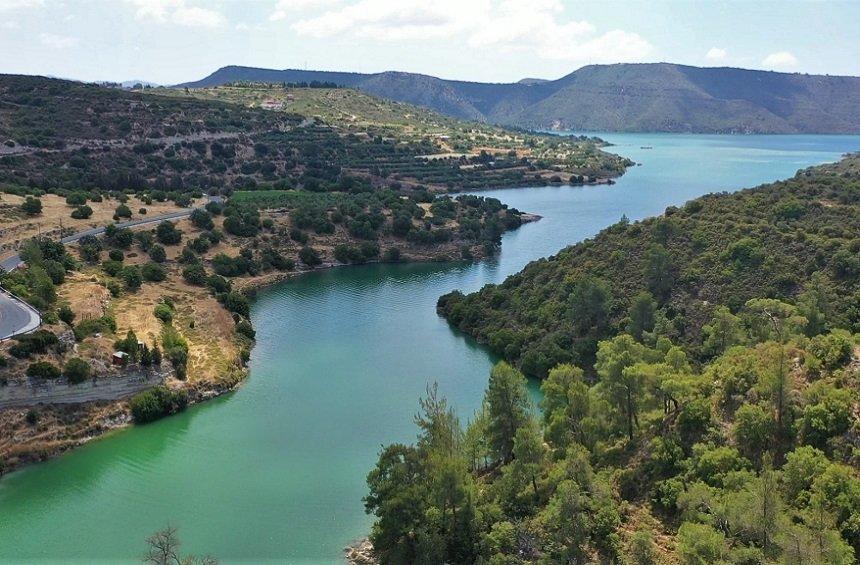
275 472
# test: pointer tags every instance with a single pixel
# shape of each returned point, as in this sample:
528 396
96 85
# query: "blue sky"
170 41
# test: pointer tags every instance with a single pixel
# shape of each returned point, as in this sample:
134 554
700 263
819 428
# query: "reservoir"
275 471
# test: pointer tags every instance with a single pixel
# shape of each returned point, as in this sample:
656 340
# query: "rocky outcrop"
32 391
360 553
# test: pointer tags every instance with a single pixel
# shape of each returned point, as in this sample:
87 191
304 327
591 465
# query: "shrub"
309 256
91 326
43 369
82 212
157 254
66 314
244 328
167 233
163 312
153 272
131 277
122 211
195 274
157 403
77 370
32 206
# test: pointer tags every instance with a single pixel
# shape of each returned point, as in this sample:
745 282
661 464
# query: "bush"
66 314
77 370
43 369
167 233
235 302
195 274
105 324
122 211
131 277
82 212
163 312
157 254
32 206
309 256
157 403
153 272
244 328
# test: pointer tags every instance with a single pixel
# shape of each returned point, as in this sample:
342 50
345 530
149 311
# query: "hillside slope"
621 97
782 240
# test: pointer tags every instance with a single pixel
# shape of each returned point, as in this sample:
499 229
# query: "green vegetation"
157 403
696 421
182 146
686 275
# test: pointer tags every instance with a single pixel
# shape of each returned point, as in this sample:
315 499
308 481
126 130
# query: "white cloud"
780 61
716 54
10 24
57 41
9 5
198 17
177 12
536 26
285 7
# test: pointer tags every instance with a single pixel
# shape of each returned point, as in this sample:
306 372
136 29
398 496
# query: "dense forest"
796 240
699 397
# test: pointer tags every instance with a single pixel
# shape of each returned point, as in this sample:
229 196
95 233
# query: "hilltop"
621 97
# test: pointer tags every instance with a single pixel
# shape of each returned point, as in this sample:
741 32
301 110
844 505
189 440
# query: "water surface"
275 472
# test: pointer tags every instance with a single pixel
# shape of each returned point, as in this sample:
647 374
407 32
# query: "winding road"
17 317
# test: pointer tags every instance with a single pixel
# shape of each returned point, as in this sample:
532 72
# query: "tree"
163 549
753 429
590 303
202 219
31 206
723 332
122 211
815 304
310 256
77 370
623 383
167 234
157 254
700 544
529 454
66 314
642 549
398 496
132 277
659 271
507 409
641 315
566 406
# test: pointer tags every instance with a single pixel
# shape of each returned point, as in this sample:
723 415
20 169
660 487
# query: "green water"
275 472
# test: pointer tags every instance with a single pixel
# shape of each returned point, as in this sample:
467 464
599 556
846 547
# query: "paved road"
17 317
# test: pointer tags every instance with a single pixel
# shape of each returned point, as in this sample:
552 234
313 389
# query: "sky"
172 41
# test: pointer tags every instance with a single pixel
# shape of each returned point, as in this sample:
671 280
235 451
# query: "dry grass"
56 217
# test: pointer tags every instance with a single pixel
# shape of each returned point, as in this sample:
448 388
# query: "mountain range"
658 97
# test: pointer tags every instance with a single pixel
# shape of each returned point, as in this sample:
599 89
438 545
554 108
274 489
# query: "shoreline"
105 417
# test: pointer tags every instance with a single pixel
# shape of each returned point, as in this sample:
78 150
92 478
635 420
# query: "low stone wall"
38 391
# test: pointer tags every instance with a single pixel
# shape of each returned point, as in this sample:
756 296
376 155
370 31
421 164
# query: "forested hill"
700 401
620 97
796 240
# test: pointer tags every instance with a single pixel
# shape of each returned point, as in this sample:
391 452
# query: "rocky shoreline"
360 553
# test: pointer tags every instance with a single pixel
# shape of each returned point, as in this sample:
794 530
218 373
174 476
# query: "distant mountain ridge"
658 97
